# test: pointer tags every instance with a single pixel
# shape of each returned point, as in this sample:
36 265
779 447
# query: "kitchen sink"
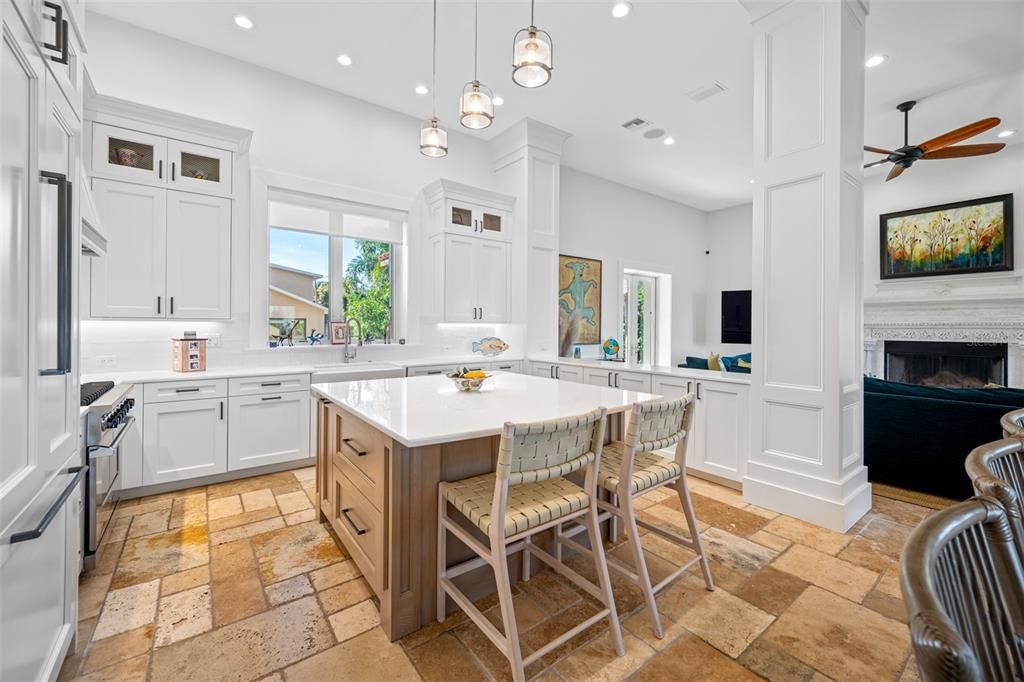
355 371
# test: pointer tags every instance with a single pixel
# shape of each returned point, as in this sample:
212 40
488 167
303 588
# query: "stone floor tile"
302 516
539 636
282 481
182 615
689 659
736 553
189 510
551 590
716 492
247 531
670 518
770 540
293 550
899 511
673 602
184 580
355 620
132 670
760 511
772 590
824 570
370 657
117 531
433 629
722 515
772 663
289 590
106 556
128 608
335 574
822 539
247 649
238 592
244 519
154 556
670 551
107 652
887 536
91 594
446 658
846 641
258 499
342 596
224 506
149 523
889 606
597 660
865 553
726 622
124 509
889 583
492 660
292 502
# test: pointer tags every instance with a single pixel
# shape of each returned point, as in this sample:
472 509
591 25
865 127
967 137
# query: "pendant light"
531 56
433 136
476 106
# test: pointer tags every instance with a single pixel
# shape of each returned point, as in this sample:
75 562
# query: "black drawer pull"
347 442
187 390
270 383
272 397
348 519
44 523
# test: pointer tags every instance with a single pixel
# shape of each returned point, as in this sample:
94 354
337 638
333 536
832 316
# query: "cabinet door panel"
129 281
266 429
633 381
459 279
569 373
491 264
597 377
184 439
197 168
198 256
129 155
722 433
542 369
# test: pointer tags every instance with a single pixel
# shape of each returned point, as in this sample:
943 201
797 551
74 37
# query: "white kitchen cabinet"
198 256
131 155
630 381
433 370
267 429
550 370
459 273
514 366
130 280
198 168
491 272
478 220
184 439
475 279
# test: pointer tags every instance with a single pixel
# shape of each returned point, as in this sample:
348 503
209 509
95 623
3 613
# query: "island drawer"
268 384
360 527
362 452
192 389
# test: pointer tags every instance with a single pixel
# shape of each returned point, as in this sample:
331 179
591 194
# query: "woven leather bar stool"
1013 423
996 470
632 468
528 494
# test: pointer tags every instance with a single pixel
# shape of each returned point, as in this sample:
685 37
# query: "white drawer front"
190 389
268 384
507 366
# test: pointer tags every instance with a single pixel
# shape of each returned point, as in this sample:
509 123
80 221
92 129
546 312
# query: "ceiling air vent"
705 91
635 124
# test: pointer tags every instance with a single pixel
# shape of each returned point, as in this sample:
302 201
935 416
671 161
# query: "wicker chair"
1013 423
996 470
961 578
632 468
528 494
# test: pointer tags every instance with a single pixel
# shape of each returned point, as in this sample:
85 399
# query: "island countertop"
429 410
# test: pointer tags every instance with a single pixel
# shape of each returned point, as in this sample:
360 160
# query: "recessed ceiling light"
621 9
875 60
422 90
344 60
751 181
243 21
498 100
669 140
1006 133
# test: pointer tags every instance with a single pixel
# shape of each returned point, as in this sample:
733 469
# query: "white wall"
627 228
930 183
299 129
730 238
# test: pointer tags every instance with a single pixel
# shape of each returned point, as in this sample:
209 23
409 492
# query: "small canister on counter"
189 353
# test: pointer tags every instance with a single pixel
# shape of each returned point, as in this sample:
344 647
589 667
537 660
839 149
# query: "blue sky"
304 250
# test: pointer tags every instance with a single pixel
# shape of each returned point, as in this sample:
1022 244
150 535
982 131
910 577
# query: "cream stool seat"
649 469
530 505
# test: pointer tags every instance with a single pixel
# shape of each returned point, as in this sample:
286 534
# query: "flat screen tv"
736 316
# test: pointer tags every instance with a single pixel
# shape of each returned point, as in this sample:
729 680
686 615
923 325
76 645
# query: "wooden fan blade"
962 150
894 173
876 163
877 150
954 136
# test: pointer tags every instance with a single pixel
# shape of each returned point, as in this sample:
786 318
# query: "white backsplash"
145 345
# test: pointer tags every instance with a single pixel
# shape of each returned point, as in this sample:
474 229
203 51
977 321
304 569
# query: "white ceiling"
963 59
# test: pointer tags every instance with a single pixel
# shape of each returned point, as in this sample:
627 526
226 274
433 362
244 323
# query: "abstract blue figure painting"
579 302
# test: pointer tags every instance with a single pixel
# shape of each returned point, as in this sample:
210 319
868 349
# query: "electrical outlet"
106 361
213 341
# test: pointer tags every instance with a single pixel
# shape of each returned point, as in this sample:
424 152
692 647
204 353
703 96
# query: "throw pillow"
714 363
693 362
743 363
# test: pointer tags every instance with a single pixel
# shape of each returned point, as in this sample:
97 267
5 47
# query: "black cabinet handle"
347 442
158 304
348 519
689 386
271 383
187 390
172 305
64 265
48 517
272 397
172 171
60 30
698 392
222 410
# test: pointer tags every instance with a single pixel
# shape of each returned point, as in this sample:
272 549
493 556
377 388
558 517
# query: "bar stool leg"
508 614
601 563
633 533
691 520
442 554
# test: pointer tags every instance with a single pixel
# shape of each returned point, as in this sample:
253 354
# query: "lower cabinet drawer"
268 384
186 389
365 450
361 527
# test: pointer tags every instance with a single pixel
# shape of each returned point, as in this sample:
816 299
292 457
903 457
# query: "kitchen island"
383 446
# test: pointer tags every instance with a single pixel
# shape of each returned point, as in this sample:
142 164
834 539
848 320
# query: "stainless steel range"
105 424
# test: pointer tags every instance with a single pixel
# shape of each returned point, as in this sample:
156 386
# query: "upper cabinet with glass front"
492 223
469 211
134 156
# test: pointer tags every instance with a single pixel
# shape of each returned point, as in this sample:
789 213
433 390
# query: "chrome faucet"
351 353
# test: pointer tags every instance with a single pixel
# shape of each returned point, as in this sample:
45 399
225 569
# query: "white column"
806 394
527 165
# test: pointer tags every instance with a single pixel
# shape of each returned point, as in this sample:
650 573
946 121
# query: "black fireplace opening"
946 363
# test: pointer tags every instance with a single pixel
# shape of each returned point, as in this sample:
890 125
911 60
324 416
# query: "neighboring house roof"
285 292
296 271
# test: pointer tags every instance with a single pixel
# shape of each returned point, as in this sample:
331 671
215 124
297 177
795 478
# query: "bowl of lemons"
468 381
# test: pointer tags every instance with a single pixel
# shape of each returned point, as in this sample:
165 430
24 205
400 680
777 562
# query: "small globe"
610 347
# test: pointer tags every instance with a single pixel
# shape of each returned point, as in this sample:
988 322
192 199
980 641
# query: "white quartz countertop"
429 410
660 370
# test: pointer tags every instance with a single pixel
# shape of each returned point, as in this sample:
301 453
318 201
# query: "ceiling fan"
940 147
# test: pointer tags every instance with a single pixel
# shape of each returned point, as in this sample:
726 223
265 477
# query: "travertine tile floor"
239 581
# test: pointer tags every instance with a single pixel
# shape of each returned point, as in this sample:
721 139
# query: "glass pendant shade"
476 106
433 139
531 58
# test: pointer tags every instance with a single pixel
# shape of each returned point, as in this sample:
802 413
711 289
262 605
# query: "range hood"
94 239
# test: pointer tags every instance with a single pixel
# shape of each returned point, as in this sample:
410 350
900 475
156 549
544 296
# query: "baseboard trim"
838 515
185 484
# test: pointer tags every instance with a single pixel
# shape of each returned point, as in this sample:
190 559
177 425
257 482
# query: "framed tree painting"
951 239
579 302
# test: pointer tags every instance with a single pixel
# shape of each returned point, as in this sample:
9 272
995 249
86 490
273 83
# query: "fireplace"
944 363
